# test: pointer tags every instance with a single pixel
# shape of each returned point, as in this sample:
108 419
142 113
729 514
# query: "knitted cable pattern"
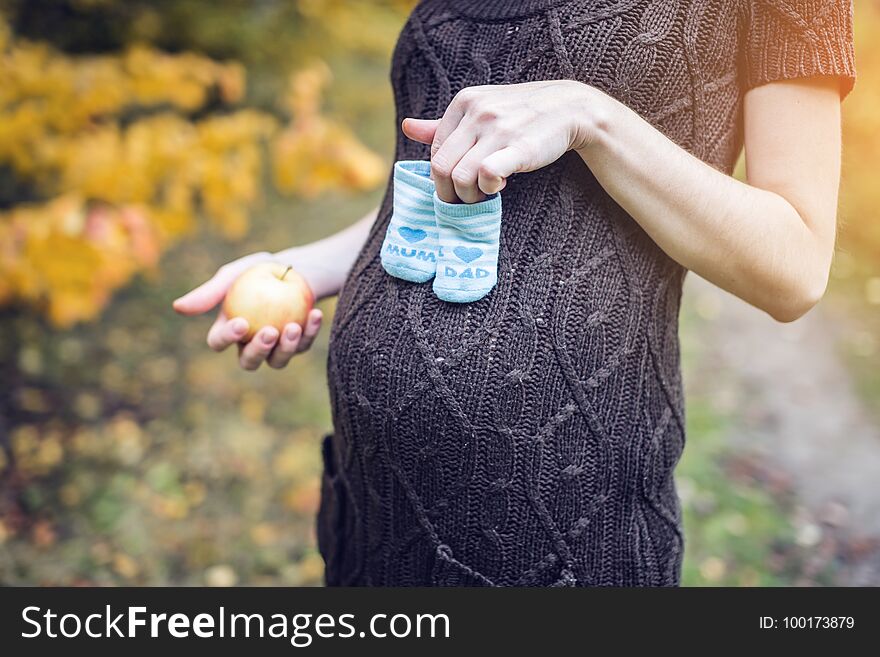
530 438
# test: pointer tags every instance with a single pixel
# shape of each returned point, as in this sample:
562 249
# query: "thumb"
420 130
211 292
205 296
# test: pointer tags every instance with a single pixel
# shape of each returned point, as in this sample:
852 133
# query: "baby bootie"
467 266
410 247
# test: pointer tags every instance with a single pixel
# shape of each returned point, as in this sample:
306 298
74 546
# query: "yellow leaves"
297 459
70 495
153 78
231 81
321 155
230 167
304 497
171 508
67 255
72 92
311 570
120 192
361 26
315 154
253 406
125 566
265 533
120 441
35 454
107 141
298 464
165 163
305 89
129 442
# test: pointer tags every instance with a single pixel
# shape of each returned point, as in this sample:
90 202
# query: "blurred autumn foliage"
124 150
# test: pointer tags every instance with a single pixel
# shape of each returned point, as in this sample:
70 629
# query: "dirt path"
793 402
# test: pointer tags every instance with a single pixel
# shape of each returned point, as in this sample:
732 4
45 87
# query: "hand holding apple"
269 294
273 345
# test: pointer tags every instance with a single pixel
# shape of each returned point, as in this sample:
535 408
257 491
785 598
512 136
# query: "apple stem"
285 272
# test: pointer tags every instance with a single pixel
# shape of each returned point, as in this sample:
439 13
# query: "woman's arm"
769 242
324 264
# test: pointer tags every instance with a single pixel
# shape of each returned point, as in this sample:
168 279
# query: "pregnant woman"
529 438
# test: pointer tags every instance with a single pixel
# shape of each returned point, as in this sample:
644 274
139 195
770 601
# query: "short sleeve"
790 39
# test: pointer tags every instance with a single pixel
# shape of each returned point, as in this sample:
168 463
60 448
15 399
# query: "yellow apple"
269 294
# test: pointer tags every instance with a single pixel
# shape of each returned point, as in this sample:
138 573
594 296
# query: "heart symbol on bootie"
412 235
468 254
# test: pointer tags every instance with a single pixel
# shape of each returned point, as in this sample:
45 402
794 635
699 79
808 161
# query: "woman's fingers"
451 118
491 184
446 159
295 340
207 295
225 332
450 143
267 345
496 168
465 176
211 292
313 325
257 350
287 347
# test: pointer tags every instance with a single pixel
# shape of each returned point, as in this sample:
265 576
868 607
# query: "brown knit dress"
530 438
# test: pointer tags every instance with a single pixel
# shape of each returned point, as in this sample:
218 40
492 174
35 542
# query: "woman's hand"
489 133
324 264
267 345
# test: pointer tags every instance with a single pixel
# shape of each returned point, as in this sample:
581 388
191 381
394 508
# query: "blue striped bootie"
467 267
410 247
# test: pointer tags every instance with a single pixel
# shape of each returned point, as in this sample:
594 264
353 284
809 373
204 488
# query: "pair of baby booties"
456 244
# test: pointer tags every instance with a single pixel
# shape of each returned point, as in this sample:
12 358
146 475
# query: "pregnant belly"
536 414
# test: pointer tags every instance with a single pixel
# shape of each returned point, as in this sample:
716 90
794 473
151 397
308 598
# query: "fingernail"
269 336
239 325
292 332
